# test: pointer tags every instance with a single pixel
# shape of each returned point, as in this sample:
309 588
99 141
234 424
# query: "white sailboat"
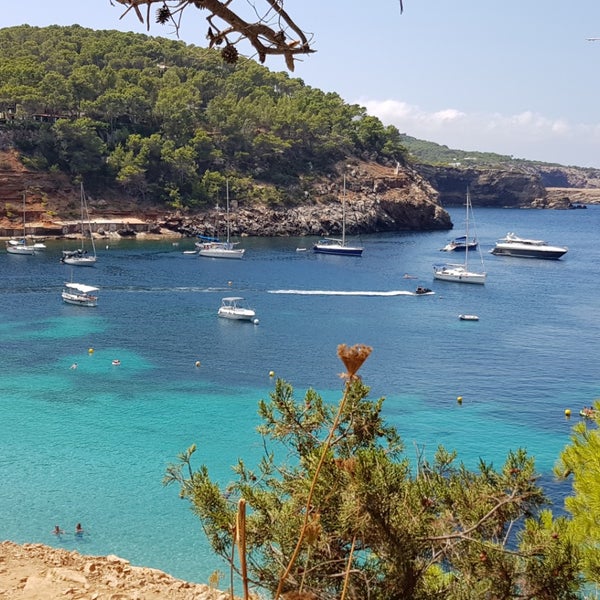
81 257
215 248
20 246
338 246
460 272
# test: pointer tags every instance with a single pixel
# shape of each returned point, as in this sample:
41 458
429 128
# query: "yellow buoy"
197 363
271 373
459 399
567 412
91 351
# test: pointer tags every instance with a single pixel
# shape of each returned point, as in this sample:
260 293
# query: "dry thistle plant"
353 358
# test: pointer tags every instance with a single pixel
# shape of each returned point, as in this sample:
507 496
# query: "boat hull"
547 252
222 253
79 300
237 314
20 249
337 249
458 275
79 261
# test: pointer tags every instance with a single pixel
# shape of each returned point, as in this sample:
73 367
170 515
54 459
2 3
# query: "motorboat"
466 317
80 294
234 307
81 257
423 291
513 245
338 246
459 244
461 273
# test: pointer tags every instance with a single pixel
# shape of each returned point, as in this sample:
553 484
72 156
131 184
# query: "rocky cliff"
378 198
489 187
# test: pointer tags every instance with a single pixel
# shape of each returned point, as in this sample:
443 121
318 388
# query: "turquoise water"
91 444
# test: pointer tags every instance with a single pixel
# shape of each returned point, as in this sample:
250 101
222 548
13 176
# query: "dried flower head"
353 357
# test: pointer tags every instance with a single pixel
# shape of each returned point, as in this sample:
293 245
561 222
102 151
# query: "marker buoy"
197 363
271 373
91 351
459 399
567 412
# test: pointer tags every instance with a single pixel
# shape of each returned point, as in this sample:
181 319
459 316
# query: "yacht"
512 245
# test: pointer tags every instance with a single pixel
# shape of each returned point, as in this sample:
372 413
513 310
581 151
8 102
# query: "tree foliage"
336 509
153 115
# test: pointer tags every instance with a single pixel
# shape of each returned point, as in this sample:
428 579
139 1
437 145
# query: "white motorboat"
21 245
460 243
338 246
512 245
215 248
460 272
80 294
81 257
466 317
234 307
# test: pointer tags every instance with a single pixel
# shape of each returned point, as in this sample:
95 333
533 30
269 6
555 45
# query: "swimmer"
78 529
57 530
74 366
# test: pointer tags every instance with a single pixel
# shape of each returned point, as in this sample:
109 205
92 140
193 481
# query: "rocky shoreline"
39 572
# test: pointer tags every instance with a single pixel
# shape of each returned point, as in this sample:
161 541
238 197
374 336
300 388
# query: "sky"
518 77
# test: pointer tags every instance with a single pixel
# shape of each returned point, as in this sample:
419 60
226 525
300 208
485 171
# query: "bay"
91 444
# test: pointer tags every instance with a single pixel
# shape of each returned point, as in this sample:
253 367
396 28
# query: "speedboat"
80 294
468 317
460 243
512 245
235 308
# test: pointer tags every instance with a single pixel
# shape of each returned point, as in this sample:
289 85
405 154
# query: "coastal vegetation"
337 509
166 122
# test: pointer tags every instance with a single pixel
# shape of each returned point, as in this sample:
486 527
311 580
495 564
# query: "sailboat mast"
467 230
227 205
344 213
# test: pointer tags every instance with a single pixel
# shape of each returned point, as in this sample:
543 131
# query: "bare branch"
274 33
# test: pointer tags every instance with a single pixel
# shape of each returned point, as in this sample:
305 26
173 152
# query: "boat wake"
343 293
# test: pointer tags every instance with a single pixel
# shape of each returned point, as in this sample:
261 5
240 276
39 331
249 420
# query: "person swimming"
57 530
78 529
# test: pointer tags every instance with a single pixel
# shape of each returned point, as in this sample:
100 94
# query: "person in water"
57 530
78 529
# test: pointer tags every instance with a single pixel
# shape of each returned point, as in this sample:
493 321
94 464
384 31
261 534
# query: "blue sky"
517 77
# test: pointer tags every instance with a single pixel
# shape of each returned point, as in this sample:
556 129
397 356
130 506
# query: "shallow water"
91 444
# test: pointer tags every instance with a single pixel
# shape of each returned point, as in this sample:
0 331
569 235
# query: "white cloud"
524 135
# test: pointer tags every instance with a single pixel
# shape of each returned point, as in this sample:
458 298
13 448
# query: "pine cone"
230 54
163 14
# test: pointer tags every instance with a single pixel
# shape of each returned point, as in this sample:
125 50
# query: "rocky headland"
379 198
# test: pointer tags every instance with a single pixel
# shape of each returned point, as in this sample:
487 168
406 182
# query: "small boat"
512 245
338 246
423 291
215 248
234 308
468 317
460 273
21 245
80 294
116 362
460 243
81 257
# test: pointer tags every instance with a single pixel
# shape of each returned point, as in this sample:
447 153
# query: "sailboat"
81 257
20 246
215 248
338 246
460 272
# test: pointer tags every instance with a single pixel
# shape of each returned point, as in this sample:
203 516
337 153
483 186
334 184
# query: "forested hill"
167 122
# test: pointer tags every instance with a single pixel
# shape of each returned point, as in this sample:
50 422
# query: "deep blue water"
91 444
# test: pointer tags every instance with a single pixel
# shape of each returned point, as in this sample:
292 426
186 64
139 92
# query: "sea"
91 444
